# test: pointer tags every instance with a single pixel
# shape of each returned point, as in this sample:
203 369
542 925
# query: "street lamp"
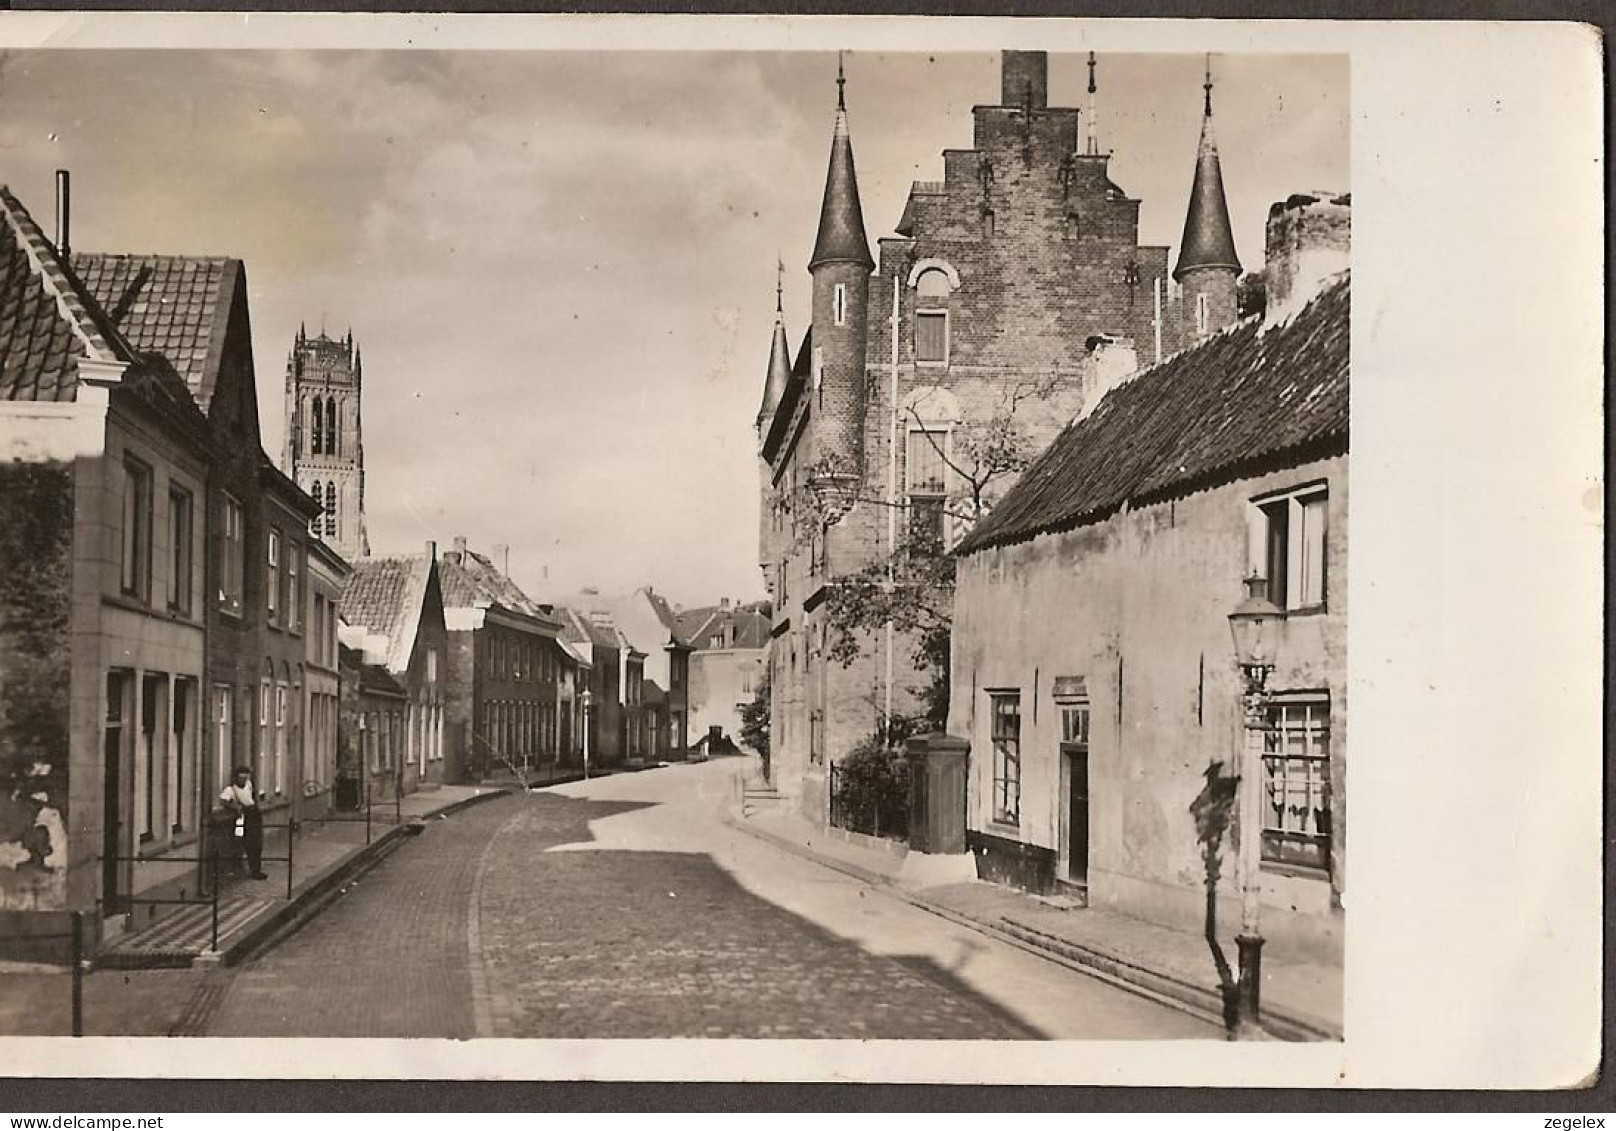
1254 625
585 699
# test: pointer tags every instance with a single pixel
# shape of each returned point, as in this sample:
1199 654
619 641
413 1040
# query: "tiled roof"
474 580
578 628
697 626
841 237
47 321
1208 237
176 306
384 595
1239 401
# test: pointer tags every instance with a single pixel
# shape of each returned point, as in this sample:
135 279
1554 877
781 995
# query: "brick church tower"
325 451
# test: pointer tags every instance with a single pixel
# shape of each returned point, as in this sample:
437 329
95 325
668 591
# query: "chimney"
1309 240
63 212
1112 360
502 554
431 551
1024 77
460 547
723 602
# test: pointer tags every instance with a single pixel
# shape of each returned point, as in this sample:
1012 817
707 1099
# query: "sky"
560 266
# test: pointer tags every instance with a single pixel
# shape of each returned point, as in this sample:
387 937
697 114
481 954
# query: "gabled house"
509 677
651 626
1093 671
104 464
596 643
392 615
729 656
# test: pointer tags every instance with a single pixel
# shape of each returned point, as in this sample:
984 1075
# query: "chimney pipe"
460 546
503 553
63 212
431 551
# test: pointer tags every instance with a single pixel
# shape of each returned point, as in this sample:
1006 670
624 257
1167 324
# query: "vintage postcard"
770 548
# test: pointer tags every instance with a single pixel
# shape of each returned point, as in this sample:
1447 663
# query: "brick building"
327 573
392 615
324 449
1093 670
506 674
1014 293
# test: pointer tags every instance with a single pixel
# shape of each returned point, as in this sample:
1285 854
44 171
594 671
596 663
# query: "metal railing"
79 965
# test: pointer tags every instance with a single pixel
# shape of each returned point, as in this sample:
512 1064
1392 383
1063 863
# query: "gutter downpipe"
892 497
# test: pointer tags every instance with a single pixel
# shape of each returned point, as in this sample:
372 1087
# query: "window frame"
838 304
233 550
915 500
1285 561
182 549
942 313
272 574
1278 762
1006 745
135 555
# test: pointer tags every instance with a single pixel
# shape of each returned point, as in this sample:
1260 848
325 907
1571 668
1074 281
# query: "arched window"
932 289
333 436
317 431
330 509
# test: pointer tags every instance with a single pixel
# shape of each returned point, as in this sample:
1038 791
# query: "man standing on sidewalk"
240 798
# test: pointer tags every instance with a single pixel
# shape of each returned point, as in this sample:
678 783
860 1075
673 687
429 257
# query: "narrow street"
625 907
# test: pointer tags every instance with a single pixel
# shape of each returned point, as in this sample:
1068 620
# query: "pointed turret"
841 217
774 384
1208 237
840 267
1208 267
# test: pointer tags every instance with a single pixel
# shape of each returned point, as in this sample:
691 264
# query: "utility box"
937 765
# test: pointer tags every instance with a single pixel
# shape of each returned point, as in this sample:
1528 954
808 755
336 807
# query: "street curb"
1158 986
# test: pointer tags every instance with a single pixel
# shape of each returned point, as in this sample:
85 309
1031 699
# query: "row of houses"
1160 445
173 604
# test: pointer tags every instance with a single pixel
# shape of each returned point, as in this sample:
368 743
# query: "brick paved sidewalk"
35 999
1301 1000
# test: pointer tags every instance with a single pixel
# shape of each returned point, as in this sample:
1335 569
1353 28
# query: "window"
1289 536
222 694
330 509
233 556
1006 734
1296 782
317 437
819 374
294 592
838 304
431 665
1202 316
263 723
333 438
272 574
926 480
179 542
1075 724
988 226
931 337
280 739
137 529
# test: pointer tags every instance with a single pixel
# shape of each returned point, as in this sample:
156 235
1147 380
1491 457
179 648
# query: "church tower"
325 450
1208 267
840 268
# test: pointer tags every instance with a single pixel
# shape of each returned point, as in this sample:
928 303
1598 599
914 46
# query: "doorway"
114 730
1074 750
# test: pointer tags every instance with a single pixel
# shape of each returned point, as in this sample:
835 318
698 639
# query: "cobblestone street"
623 907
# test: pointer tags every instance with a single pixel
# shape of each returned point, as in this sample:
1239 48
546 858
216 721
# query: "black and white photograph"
830 539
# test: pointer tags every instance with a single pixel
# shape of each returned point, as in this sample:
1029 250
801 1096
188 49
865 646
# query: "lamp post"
585 699
1254 626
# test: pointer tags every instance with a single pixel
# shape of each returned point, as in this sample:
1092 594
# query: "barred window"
1296 783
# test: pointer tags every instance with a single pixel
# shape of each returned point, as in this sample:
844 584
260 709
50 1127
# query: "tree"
755 722
913 588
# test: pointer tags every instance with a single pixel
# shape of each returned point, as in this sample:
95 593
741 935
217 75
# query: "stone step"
178 939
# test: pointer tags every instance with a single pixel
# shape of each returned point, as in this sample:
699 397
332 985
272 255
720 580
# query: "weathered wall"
721 680
1138 605
36 546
